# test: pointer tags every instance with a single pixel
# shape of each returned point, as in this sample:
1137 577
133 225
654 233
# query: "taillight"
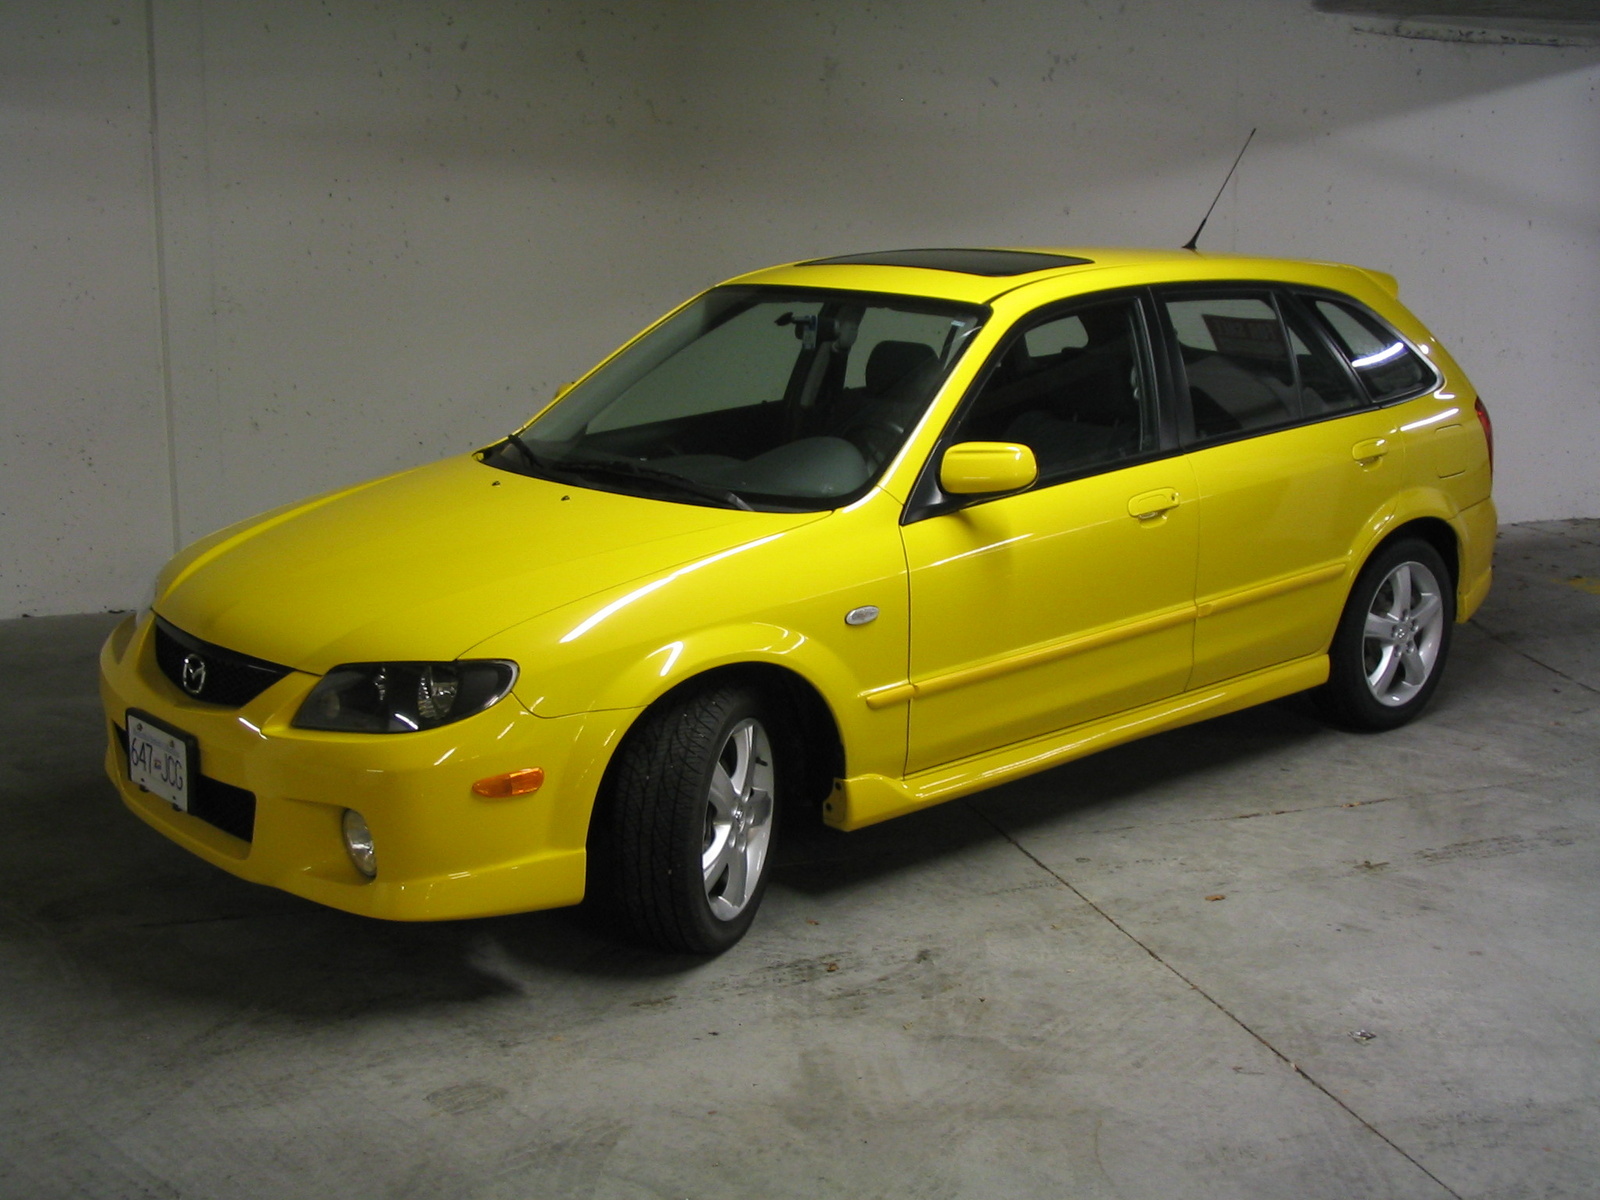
1488 431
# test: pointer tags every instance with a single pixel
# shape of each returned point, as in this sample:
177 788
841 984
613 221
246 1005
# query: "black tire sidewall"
713 934
653 819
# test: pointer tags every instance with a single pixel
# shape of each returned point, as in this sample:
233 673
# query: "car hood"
425 564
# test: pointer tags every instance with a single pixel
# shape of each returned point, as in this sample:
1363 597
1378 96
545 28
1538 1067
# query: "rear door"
1292 463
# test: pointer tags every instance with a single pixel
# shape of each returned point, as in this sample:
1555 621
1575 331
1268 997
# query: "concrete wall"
254 251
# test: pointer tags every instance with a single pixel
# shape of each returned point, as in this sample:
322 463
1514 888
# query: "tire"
1392 641
688 820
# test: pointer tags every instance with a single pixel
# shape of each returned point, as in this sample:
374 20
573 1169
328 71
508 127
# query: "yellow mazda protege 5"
852 536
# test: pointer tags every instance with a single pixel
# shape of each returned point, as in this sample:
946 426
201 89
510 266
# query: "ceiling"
1524 22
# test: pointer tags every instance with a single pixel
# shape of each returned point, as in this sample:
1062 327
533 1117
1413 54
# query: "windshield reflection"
753 397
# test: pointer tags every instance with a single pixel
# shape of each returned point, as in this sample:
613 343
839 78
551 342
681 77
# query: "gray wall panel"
389 230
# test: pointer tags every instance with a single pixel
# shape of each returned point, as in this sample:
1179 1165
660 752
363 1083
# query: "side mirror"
975 468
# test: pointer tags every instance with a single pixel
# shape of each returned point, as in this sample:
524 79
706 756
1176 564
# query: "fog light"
358 843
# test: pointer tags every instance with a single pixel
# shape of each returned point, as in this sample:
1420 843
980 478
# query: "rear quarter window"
1386 365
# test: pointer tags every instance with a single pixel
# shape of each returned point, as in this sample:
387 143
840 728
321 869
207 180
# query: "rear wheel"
689 816
1392 641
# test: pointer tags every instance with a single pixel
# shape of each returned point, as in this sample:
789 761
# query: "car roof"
979 275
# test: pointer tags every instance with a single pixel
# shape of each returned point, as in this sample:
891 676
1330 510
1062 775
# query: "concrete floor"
1255 958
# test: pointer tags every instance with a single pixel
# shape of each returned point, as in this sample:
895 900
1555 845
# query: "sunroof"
966 262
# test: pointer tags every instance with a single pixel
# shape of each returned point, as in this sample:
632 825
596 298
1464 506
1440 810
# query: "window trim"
1285 297
928 499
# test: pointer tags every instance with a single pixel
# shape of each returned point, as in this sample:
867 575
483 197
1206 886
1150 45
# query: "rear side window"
1388 367
1238 363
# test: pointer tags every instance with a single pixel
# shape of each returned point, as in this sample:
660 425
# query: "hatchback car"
850 537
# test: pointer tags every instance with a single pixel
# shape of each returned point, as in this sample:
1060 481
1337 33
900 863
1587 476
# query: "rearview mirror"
974 468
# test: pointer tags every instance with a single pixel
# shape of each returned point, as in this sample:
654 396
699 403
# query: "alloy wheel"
1404 629
738 825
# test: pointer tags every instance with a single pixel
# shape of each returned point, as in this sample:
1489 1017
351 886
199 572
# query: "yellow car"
847 537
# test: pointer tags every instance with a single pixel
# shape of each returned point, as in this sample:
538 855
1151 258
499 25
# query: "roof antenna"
1190 244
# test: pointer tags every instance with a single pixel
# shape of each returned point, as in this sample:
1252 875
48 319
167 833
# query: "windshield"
753 397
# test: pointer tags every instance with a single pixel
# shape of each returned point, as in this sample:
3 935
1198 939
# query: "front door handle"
1369 451
1147 506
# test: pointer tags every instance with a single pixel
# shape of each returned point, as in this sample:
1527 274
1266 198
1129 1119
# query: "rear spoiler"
1383 279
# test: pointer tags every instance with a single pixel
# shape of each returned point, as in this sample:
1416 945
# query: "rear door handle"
1369 451
1147 506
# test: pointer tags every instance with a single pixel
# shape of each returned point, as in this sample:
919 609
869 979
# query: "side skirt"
863 800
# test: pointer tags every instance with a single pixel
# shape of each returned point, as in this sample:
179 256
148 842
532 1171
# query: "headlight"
402 697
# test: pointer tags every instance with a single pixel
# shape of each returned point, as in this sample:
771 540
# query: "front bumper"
442 851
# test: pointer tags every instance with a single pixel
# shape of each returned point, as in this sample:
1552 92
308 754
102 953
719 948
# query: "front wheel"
1390 648
689 816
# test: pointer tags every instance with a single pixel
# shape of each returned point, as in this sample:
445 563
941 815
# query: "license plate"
161 760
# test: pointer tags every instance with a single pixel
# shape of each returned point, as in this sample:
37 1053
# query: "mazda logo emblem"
194 674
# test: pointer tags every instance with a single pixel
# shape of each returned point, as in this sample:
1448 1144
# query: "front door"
1071 600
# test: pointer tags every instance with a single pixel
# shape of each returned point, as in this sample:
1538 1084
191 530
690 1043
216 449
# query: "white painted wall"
307 243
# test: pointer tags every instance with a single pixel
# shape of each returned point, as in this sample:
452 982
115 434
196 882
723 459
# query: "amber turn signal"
512 783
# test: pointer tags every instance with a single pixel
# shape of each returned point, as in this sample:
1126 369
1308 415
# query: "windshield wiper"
574 471
533 460
628 469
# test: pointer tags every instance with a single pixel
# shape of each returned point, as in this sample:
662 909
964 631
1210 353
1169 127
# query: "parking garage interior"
259 251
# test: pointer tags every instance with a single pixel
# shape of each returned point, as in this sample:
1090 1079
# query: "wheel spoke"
1383 675
1428 611
1414 665
741 742
1380 628
723 795
1402 590
737 888
718 855
759 806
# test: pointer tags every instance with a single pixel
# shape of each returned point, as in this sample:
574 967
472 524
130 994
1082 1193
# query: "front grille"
224 677
230 809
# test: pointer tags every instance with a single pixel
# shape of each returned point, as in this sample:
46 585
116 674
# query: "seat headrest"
891 363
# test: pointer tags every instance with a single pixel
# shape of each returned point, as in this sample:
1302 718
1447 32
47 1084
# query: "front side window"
1073 388
1388 367
753 397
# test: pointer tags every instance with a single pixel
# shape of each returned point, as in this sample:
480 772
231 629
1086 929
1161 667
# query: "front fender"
874 739
778 601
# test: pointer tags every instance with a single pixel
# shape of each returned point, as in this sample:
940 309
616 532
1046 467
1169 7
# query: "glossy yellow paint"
1036 611
863 800
1304 498
976 468
443 852
1010 635
777 601
435 560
